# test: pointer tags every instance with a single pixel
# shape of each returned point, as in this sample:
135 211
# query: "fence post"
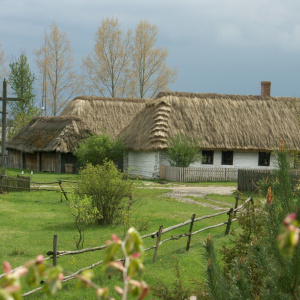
229 221
54 250
190 232
237 198
157 242
63 191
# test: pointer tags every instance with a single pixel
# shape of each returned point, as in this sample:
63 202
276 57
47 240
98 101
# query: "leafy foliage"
269 264
37 271
84 213
109 189
98 148
182 150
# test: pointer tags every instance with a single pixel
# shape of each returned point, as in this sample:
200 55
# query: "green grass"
28 221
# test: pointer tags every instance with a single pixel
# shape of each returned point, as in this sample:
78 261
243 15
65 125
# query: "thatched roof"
108 114
225 122
60 134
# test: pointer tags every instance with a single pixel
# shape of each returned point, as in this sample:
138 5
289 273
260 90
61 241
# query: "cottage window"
264 159
207 157
227 157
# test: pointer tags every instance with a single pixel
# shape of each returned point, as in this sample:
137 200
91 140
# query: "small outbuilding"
47 144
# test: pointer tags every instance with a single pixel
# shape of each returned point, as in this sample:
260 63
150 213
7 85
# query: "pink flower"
289 219
136 255
115 238
6 267
39 259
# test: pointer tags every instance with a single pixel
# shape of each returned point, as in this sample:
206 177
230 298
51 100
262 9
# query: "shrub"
183 150
109 189
84 213
98 148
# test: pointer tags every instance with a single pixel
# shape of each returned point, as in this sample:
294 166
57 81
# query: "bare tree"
107 66
149 72
56 66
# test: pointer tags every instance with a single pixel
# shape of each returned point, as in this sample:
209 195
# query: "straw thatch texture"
108 114
224 122
46 134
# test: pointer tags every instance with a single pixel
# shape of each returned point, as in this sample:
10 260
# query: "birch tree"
106 68
150 73
56 66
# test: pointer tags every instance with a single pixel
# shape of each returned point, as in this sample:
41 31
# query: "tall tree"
22 83
106 67
150 73
56 67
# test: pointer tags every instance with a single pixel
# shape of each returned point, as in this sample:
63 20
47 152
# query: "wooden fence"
231 213
198 174
248 179
14 183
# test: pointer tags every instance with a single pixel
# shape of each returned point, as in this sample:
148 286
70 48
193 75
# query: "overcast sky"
218 46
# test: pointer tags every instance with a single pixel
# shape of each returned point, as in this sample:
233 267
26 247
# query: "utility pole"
4 100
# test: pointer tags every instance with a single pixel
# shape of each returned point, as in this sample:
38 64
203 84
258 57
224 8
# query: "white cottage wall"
240 160
144 164
147 164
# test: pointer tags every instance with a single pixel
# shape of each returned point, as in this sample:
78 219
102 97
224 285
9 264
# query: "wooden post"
230 213
157 242
4 99
190 232
54 250
3 145
63 191
237 198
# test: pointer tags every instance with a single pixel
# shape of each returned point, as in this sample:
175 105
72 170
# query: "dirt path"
186 194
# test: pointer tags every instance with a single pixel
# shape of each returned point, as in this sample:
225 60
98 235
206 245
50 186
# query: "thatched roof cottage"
235 131
47 143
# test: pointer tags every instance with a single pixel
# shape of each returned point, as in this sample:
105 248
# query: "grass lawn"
28 221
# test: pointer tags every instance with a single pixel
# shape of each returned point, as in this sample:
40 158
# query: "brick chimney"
266 88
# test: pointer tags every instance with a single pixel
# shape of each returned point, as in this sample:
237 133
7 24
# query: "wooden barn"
235 131
47 143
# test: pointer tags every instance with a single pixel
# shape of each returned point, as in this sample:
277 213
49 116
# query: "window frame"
227 158
264 156
207 157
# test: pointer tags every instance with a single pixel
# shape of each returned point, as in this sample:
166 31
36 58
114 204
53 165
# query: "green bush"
265 261
98 148
183 150
109 189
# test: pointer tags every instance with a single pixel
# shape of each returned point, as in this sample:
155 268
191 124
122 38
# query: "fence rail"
157 234
18 183
198 174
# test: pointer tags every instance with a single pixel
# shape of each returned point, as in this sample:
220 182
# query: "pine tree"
21 81
270 268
